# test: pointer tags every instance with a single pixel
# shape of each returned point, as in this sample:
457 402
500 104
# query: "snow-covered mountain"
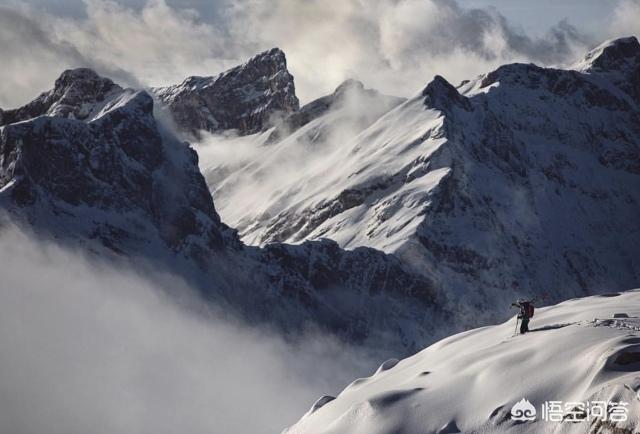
584 354
77 94
351 106
91 153
89 165
247 98
246 173
522 181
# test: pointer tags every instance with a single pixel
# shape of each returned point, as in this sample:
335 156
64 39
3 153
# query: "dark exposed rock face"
361 295
543 181
246 98
325 265
114 160
621 55
441 95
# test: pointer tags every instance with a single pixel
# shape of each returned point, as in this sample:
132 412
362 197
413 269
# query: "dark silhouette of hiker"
526 312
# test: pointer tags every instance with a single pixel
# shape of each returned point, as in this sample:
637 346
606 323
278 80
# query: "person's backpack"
528 309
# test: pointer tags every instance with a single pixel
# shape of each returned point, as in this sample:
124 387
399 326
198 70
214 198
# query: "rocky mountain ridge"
88 165
520 182
523 181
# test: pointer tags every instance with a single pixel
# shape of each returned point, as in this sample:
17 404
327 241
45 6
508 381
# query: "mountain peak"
83 83
270 62
441 95
71 76
89 144
77 94
274 55
349 89
347 85
244 98
363 103
611 55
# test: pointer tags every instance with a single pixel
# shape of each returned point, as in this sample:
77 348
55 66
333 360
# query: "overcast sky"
534 16
539 15
393 45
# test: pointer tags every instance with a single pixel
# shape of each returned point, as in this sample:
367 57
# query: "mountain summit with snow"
92 152
77 93
615 55
247 98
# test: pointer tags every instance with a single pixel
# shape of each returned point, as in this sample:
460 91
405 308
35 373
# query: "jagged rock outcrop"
363 295
441 95
247 98
77 94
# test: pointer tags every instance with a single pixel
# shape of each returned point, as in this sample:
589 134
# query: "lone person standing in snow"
526 312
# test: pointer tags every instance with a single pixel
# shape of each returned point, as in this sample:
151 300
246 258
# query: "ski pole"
517 320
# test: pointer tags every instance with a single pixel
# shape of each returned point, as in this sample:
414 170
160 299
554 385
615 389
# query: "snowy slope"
252 175
580 350
522 181
361 193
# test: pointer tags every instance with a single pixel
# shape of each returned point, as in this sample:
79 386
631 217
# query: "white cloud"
157 43
394 45
154 45
626 19
87 348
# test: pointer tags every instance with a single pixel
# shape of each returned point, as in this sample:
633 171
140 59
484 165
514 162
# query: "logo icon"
523 411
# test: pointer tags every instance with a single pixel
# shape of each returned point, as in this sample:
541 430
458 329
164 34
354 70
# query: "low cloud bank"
87 348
